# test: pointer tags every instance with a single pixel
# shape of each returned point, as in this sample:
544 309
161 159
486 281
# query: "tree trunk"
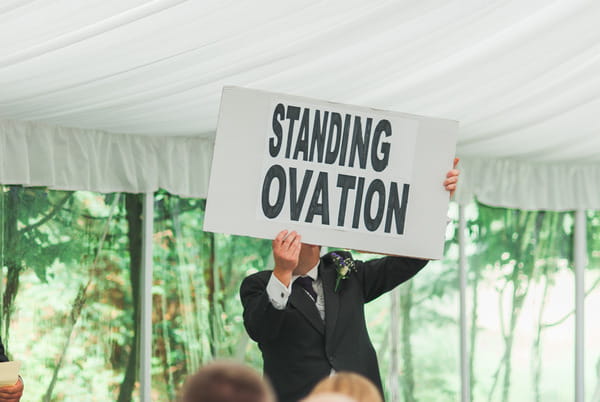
134 207
473 332
393 387
13 264
406 302
209 277
596 395
78 305
518 298
507 366
536 361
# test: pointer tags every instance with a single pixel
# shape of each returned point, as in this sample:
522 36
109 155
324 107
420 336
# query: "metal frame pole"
145 351
464 351
580 254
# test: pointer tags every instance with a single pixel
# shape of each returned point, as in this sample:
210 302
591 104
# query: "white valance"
530 185
35 154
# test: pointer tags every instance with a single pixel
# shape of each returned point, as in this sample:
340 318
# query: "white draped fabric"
521 77
533 186
36 154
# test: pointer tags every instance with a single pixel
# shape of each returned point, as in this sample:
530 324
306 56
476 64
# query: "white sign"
340 175
9 373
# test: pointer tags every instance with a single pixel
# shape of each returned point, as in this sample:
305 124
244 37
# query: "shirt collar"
313 273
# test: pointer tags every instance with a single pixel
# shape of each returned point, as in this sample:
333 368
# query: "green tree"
25 240
198 316
519 249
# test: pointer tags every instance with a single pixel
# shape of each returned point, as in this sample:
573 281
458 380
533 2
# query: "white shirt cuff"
278 293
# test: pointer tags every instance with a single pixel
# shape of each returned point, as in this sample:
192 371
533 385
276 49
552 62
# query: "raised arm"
264 295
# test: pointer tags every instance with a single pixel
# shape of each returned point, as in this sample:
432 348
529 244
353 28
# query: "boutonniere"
343 267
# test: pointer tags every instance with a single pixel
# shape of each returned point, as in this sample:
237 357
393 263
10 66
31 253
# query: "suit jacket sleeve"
3 357
384 274
262 320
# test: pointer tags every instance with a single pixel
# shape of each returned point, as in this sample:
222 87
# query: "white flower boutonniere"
343 266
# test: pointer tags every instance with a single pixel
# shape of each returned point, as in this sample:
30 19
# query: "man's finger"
10 391
453 173
456 160
289 240
280 236
296 242
290 237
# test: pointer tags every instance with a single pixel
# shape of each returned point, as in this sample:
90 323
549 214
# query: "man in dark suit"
306 325
10 393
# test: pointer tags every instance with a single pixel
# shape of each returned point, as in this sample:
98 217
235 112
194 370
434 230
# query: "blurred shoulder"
258 277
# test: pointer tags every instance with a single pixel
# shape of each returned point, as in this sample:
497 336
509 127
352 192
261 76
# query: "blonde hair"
328 397
353 385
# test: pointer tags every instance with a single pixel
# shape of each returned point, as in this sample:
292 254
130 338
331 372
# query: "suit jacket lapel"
305 304
332 300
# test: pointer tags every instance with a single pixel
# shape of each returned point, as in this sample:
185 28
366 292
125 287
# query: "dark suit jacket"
298 348
3 357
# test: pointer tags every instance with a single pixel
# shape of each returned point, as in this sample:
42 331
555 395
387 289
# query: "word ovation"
320 137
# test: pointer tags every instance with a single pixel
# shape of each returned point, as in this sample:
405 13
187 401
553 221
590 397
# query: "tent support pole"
580 252
145 351
394 386
464 351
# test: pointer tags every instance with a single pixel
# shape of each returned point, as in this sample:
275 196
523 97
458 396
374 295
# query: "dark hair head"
226 381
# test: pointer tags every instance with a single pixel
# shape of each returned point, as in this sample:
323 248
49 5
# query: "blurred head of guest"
226 381
350 384
328 397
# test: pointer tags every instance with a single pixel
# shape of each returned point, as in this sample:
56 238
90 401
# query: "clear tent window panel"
67 309
591 308
521 304
415 363
197 314
407 324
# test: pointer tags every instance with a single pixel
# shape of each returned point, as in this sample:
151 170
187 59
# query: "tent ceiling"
522 77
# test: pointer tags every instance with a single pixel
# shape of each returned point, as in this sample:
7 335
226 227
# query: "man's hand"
286 251
452 178
12 393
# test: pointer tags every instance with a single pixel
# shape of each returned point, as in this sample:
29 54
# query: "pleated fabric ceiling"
124 95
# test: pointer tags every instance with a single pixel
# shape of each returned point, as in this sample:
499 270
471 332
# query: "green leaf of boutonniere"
343 267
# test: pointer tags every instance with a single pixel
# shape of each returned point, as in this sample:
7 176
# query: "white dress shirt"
279 293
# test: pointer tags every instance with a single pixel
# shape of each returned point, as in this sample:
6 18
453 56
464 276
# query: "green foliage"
56 245
52 246
197 315
516 251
